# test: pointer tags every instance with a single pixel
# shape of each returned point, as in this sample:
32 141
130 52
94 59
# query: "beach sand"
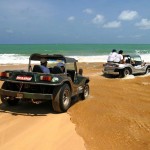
116 116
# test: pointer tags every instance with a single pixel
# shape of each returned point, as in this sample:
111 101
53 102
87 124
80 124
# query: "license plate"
24 78
19 95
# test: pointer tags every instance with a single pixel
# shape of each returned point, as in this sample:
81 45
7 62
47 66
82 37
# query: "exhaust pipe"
36 101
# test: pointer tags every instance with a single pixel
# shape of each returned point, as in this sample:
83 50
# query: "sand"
116 116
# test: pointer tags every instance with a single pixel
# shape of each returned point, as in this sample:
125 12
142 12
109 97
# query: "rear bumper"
25 95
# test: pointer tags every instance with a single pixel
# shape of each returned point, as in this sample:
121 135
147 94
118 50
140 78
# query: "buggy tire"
125 72
85 93
11 101
147 70
61 98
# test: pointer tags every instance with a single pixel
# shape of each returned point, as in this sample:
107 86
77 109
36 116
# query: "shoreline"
6 59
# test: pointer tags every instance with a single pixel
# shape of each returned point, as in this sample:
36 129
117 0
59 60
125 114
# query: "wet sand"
115 116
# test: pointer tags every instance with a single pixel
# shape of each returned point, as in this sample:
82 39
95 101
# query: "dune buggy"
133 65
37 87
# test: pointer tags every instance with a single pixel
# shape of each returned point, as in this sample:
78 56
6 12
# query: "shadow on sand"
30 109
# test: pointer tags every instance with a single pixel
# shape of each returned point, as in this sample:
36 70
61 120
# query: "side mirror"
80 71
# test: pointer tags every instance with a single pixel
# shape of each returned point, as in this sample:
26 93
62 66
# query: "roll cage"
54 57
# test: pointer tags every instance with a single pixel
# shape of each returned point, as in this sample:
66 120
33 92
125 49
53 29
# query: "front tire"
147 70
85 93
62 98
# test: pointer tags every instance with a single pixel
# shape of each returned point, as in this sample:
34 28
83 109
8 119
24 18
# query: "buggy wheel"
147 70
62 98
125 72
11 101
85 93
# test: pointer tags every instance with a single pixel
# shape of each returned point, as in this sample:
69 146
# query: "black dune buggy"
35 86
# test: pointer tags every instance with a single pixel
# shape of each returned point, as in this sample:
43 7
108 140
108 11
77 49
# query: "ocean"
19 53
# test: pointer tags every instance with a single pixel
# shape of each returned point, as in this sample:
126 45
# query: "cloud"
113 24
25 11
71 18
136 36
143 24
128 15
98 19
10 31
88 11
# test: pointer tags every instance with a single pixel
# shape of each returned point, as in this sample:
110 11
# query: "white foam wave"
145 57
101 58
129 77
21 59
13 59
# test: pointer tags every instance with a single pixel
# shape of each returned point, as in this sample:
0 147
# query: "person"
127 60
44 65
62 66
119 57
112 56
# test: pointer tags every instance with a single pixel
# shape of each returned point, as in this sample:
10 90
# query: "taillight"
4 74
45 78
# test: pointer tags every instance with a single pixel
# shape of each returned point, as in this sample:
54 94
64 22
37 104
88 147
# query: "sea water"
19 53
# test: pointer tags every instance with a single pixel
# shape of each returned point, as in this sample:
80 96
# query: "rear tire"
62 98
11 101
125 72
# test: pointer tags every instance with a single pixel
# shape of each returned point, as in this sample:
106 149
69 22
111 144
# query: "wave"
13 59
24 59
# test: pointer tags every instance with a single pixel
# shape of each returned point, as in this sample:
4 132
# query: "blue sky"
74 21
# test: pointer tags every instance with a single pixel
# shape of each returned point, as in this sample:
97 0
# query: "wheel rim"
86 91
66 98
126 72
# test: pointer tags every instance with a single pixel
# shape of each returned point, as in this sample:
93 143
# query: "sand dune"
116 116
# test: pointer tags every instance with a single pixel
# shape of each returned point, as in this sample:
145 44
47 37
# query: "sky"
74 21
